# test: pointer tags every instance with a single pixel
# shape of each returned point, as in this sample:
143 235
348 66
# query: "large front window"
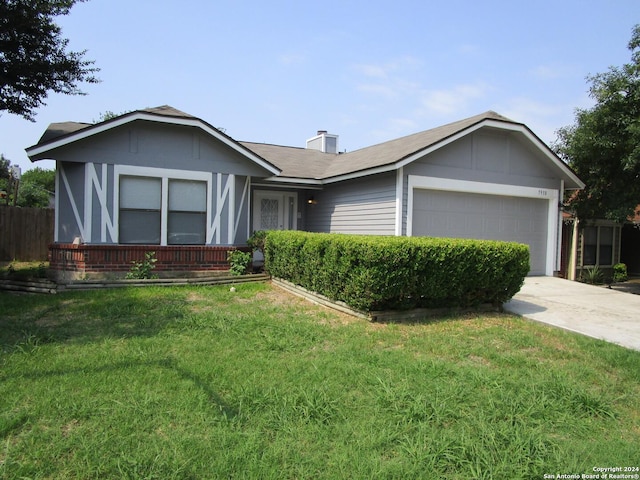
598 246
187 218
148 203
140 210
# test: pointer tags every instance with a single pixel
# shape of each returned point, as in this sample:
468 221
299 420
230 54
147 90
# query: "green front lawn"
201 382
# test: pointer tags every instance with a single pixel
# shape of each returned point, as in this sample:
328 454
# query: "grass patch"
23 270
200 382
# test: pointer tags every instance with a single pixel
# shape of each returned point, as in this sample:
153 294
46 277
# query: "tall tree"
37 187
7 181
603 145
33 56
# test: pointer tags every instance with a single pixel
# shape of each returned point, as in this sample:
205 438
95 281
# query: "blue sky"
369 71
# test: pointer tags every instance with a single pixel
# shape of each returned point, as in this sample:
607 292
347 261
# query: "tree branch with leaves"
603 145
34 59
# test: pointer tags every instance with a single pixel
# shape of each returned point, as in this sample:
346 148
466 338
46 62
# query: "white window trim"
165 174
465 186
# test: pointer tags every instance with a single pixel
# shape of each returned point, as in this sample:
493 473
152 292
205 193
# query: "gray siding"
364 206
488 156
67 228
149 144
91 163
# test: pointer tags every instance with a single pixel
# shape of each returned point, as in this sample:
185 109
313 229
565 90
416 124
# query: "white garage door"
488 217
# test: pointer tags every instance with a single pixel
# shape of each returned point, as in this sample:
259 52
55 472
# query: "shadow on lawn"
170 365
83 317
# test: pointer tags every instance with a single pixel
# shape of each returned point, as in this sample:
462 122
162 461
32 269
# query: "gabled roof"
308 166
391 155
295 162
394 151
60 134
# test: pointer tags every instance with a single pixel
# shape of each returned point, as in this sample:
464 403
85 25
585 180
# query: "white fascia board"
466 186
362 173
437 146
188 122
294 180
289 186
541 146
502 126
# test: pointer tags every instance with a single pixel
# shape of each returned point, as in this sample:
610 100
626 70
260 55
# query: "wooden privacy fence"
25 233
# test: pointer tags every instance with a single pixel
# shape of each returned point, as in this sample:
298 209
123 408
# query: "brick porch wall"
67 257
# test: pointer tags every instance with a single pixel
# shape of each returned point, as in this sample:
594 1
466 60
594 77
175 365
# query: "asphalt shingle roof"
309 164
306 163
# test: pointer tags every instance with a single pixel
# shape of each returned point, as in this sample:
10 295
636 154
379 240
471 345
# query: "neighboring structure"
630 244
588 244
159 179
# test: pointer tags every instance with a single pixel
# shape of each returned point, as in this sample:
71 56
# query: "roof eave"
504 125
294 180
38 150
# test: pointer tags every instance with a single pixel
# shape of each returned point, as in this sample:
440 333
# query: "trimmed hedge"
373 273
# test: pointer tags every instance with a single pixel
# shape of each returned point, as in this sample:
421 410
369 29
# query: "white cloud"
453 100
387 91
375 71
385 70
543 118
551 72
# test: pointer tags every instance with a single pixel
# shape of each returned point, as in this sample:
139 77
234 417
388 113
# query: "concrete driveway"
598 312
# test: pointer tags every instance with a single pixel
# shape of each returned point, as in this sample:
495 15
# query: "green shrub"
144 269
381 273
256 240
593 275
620 272
238 261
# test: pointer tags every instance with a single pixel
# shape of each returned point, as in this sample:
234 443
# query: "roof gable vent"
324 142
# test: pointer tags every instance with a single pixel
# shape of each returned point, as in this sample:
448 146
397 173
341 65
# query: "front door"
275 210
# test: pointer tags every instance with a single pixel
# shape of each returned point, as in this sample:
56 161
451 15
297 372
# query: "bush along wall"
373 273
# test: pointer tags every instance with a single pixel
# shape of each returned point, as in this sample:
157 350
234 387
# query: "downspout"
559 230
573 257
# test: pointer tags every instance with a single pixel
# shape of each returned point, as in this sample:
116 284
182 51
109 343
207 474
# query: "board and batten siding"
88 202
366 206
89 170
490 157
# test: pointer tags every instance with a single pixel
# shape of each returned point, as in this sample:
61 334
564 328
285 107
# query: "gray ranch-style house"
161 180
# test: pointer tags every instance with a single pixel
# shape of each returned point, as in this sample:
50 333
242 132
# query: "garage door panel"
486 217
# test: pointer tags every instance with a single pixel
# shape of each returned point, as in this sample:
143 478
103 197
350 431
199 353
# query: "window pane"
589 255
606 235
269 214
187 196
606 255
590 248
591 236
606 246
140 226
140 192
186 228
